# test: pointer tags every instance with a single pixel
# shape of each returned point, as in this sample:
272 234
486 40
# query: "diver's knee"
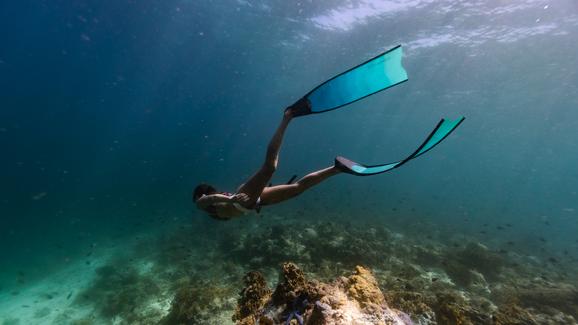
299 187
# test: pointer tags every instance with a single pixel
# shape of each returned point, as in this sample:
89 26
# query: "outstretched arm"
206 200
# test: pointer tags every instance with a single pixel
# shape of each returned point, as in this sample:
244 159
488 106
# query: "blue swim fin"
377 74
441 131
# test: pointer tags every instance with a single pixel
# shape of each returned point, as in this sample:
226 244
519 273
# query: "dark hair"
203 189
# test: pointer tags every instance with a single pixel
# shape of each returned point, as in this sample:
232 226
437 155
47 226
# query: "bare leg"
255 185
276 194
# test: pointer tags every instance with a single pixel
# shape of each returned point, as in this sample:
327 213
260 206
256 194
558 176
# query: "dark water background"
111 112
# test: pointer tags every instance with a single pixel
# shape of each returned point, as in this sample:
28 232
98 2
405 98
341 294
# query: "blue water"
111 112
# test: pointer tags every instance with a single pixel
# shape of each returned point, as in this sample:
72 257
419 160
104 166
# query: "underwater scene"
297 162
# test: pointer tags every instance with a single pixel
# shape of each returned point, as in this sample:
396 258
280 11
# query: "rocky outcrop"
355 299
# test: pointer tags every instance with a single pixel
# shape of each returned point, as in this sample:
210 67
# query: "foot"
300 108
341 164
288 114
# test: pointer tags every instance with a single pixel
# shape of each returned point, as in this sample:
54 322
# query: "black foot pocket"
344 164
300 108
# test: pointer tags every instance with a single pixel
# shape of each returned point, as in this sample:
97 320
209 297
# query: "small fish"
511 243
25 306
483 232
39 196
499 227
69 295
542 239
552 260
485 225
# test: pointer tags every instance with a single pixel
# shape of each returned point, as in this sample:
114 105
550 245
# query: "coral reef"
253 298
363 288
193 278
191 305
317 244
356 299
513 315
196 302
472 263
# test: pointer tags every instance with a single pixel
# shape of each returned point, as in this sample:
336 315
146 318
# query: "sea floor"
434 276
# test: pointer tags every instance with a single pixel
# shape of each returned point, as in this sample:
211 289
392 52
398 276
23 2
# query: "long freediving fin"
439 133
377 74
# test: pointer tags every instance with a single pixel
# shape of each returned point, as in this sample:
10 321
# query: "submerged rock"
355 299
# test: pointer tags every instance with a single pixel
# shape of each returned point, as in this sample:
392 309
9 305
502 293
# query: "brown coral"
348 300
291 283
253 298
363 288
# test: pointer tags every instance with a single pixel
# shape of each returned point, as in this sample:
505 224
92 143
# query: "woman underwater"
255 193
379 73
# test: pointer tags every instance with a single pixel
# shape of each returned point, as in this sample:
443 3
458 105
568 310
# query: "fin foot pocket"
300 107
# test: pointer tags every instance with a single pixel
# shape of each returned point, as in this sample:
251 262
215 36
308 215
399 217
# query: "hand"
241 198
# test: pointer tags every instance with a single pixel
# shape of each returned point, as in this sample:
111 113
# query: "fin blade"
440 132
355 168
377 74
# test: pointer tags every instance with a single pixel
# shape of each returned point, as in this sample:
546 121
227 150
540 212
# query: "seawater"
111 113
